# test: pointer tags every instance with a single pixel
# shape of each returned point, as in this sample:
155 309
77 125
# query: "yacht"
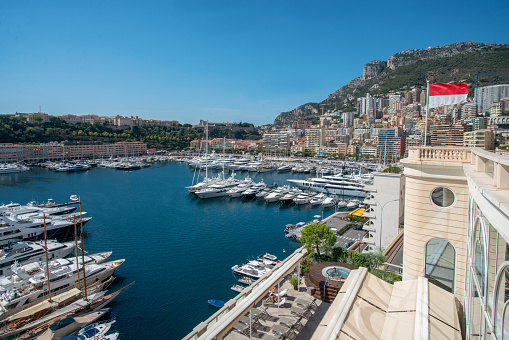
284 168
334 184
318 199
12 168
29 284
289 196
252 269
218 189
277 194
330 201
13 230
26 252
353 204
342 204
303 198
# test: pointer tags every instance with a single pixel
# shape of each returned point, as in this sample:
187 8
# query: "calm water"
179 249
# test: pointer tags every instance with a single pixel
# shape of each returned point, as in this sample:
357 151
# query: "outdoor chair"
241 328
300 312
281 331
258 313
245 321
306 304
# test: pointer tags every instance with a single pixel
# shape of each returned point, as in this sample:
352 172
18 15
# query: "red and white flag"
442 94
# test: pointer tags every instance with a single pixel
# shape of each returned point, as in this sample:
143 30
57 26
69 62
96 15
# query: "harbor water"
178 248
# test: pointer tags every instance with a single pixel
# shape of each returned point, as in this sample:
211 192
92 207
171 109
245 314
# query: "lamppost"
382 216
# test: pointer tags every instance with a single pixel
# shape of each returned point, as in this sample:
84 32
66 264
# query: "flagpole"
427 109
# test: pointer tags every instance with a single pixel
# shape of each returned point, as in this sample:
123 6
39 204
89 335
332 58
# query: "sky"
236 61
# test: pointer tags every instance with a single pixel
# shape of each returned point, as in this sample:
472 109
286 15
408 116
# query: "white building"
386 200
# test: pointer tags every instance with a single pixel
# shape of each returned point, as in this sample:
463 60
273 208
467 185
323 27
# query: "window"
443 197
440 263
501 315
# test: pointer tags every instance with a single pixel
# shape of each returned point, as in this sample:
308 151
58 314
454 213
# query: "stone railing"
441 154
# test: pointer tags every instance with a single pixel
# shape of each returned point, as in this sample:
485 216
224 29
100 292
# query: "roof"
370 308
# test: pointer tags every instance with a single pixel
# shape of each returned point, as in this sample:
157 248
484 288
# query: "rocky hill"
403 70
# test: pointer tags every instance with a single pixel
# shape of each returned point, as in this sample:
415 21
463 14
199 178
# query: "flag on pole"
447 94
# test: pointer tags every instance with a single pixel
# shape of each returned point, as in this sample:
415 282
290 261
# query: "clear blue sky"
217 60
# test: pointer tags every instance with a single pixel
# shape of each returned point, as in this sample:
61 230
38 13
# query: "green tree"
317 235
376 260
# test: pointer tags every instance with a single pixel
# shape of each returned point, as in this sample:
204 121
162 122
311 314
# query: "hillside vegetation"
402 71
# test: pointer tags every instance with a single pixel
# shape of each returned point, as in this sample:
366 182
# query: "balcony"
440 154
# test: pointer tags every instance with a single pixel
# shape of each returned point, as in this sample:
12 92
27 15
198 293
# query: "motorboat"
342 204
284 168
70 324
353 204
95 330
246 280
318 199
216 303
12 168
237 288
302 198
333 184
27 252
275 195
252 270
330 201
289 196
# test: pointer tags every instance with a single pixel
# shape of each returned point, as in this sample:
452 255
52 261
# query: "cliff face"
375 73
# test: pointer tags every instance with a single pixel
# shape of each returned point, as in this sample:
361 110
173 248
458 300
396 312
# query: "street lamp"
382 215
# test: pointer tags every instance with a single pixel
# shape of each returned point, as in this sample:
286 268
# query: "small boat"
342 204
216 303
353 204
68 325
318 199
246 280
237 288
330 201
95 330
268 256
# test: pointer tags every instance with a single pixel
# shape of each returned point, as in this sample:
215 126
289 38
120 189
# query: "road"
349 237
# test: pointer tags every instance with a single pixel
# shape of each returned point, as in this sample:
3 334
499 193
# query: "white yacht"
330 201
353 204
318 199
253 269
303 198
219 189
27 252
342 204
334 184
277 194
12 168
30 285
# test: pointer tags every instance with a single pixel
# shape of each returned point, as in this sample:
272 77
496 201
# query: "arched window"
480 255
440 263
501 303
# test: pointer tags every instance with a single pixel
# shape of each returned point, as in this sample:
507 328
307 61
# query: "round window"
443 197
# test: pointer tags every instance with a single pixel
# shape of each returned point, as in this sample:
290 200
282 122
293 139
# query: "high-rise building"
449 135
391 142
487 95
276 141
348 118
484 139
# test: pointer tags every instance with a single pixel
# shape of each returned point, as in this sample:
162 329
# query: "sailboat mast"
83 255
47 261
206 149
76 249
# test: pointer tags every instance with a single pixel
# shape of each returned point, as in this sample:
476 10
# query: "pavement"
349 237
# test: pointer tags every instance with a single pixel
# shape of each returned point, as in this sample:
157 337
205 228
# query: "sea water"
178 248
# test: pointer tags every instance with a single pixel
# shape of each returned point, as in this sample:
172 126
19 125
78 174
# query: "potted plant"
295 282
